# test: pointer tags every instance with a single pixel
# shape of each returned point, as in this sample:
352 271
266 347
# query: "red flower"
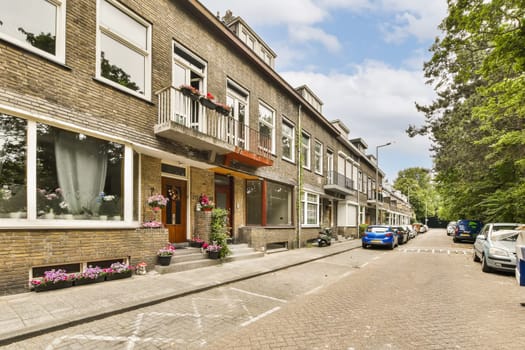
209 96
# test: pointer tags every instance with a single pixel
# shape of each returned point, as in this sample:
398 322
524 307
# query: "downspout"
298 205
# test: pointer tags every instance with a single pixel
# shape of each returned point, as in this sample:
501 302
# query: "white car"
495 247
411 232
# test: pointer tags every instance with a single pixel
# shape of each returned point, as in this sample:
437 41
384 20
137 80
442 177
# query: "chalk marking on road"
419 250
258 295
257 318
196 312
312 291
363 265
375 258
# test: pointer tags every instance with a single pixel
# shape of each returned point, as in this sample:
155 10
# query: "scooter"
325 237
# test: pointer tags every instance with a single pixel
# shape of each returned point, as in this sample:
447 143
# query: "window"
305 150
267 127
36 25
310 212
288 141
268 203
318 157
237 99
68 176
124 49
330 166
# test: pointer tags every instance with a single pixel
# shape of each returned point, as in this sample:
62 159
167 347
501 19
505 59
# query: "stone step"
188 258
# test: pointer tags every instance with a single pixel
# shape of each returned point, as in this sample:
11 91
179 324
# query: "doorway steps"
189 258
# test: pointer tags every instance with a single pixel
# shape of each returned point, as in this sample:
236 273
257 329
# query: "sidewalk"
28 314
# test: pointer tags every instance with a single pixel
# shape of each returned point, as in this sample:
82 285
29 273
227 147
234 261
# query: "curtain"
81 171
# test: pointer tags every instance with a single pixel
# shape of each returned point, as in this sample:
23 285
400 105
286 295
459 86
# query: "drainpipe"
299 177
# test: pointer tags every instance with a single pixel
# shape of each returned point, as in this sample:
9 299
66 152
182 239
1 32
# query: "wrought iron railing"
335 178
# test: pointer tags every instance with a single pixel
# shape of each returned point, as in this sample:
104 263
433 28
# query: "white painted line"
257 318
312 291
363 265
258 295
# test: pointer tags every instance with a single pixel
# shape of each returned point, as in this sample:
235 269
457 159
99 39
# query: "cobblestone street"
426 294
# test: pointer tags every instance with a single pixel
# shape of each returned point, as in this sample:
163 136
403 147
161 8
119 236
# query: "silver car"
451 226
495 247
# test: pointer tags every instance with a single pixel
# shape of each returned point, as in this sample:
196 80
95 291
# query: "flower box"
83 281
191 92
206 102
53 286
118 275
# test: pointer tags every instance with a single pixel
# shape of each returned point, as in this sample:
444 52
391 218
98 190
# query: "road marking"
312 291
257 318
363 265
258 295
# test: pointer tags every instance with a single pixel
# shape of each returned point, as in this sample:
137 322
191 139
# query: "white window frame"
305 202
32 221
308 161
291 137
60 38
318 154
271 126
239 95
114 36
330 166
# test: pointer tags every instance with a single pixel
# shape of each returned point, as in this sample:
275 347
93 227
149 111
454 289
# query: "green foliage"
477 120
219 230
116 74
43 41
417 185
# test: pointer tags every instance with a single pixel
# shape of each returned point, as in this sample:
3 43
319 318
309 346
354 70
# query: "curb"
30 332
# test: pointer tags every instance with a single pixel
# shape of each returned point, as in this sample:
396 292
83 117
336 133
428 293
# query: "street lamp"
377 178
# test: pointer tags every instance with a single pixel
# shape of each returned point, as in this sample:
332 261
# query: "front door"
174 214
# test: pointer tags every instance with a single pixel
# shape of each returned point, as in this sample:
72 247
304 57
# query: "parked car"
411 232
419 227
467 230
380 235
495 247
403 235
451 226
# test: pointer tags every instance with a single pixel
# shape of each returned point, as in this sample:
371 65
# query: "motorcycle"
325 237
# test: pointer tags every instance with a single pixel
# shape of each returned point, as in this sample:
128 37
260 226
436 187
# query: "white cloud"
305 34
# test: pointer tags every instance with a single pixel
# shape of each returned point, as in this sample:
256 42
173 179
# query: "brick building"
105 103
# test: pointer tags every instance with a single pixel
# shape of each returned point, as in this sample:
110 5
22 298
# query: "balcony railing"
175 107
339 183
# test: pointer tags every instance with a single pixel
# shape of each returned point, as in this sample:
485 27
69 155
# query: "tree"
477 119
116 74
43 41
416 184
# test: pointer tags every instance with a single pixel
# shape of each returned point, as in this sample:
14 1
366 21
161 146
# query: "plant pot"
196 244
164 260
214 255
208 103
190 94
118 276
82 281
53 286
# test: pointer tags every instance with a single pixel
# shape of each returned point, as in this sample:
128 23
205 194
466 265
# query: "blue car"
467 230
380 235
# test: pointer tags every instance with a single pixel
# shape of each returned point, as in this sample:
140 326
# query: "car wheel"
364 245
455 240
392 246
475 257
484 266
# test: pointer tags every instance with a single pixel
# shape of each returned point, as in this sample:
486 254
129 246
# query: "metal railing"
174 106
335 178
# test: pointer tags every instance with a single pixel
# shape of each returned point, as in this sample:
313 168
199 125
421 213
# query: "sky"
362 58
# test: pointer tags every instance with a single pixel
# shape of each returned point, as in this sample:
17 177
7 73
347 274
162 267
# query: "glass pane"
123 25
265 115
311 214
253 202
121 64
30 21
173 205
279 204
78 177
13 140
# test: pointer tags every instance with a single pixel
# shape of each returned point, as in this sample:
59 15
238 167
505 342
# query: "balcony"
339 183
372 199
185 120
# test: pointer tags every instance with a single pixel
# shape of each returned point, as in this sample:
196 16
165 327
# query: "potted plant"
205 203
196 242
109 206
190 91
223 109
219 230
164 255
90 275
214 250
117 271
51 203
53 279
208 101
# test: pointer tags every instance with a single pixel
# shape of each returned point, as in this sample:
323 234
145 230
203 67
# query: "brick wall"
20 251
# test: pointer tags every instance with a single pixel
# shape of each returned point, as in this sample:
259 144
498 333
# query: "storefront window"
254 202
278 200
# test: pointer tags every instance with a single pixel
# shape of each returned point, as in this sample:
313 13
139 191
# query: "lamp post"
377 178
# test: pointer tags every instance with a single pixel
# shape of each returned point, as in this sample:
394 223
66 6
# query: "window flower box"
208 101
190 91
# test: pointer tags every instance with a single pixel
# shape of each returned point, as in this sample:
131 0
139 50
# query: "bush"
219 230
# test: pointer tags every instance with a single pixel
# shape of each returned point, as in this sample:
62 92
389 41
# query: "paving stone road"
426 294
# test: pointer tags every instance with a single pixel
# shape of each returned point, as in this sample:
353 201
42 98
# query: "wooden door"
174 214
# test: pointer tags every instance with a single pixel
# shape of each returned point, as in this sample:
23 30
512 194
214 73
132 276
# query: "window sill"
22 224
